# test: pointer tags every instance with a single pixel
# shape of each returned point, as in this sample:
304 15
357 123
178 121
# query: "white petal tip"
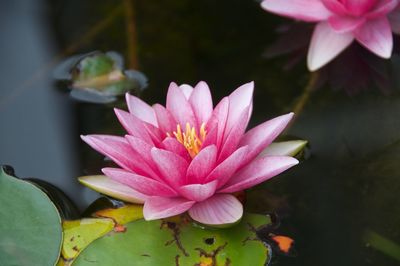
106 186
284 148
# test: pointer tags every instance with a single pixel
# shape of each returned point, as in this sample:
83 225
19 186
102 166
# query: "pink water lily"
340 22
189 156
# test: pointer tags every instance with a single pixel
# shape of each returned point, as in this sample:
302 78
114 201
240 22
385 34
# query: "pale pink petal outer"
166 122
259 137
325 45
198 192
201 102
306 10
202 164
258 171
160 207
142 184
120 151
342 24
179 107
140 109
239 100
382 8
376 36
187 90
172 166
394 19
173 145
219 209
133 125
109 187
224 171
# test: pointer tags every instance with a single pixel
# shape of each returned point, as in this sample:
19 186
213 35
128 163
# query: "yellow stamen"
189 139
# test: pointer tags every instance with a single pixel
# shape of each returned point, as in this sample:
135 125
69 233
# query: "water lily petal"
325 45
218 119
173 145
172 166
142 184
133 125
201 102
258 171
202 164
140 109
179 107
155 133
259 137
211 137
307 10
120 151
143 148
335 7
198 192
219 209
166 122
357 7
239 100
376 36
342 24
235 135
109 187
224 171
160 207
187 90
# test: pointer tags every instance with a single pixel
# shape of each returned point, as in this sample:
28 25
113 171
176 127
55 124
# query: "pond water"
343 192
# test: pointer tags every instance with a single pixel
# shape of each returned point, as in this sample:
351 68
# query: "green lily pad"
30 225
78 234
179 242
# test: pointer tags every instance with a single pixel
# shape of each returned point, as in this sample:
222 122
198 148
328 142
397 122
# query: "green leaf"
179 242
95 65
78 234
30 225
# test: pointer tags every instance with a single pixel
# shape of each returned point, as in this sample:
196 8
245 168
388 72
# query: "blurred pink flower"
340 22
188 156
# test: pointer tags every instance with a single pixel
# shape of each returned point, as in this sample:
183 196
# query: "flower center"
189 138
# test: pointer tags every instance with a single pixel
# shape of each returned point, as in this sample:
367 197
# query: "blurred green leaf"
30 225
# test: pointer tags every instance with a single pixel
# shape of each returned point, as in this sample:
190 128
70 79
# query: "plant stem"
305 96
131 34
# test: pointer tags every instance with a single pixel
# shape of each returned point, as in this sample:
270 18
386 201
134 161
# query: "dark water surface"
348 186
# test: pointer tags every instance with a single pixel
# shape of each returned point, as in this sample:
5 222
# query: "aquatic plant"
189 156
339 23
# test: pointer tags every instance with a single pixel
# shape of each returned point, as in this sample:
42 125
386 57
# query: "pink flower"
340 22
188 156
